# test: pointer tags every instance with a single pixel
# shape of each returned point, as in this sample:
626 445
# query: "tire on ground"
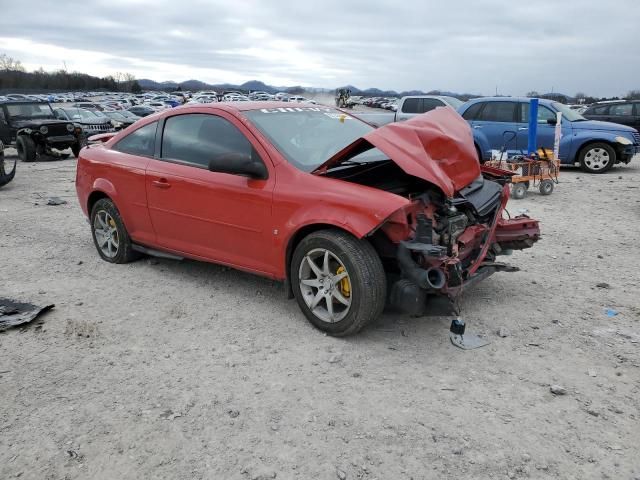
588 157
367 279
26 148
125 252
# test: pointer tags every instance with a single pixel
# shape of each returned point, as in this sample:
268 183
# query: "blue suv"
503 122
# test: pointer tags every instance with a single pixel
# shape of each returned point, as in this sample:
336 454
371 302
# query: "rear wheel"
597 158
546 187
26 148
338 281
109 233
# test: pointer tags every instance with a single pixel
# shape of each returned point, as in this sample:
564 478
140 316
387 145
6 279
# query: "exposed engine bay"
436 244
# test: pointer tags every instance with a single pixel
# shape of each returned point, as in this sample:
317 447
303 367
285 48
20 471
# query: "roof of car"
508 99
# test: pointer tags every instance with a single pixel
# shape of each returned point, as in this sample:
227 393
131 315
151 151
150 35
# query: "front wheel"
338 281
26 148
597 158
109 233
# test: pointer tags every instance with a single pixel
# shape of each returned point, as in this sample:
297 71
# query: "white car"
301 100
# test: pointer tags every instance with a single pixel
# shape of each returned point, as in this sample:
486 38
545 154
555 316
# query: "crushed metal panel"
14 313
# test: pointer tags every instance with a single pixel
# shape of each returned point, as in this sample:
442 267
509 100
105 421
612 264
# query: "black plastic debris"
16 313
55 201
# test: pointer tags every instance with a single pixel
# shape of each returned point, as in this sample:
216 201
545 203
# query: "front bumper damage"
444 260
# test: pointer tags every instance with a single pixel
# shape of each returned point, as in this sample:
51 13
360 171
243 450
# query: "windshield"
30 110
309 136
567 113
79 113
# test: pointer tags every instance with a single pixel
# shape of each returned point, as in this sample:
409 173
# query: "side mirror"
552 121
239 164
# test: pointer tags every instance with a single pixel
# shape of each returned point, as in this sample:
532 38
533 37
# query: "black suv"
626 112
34 130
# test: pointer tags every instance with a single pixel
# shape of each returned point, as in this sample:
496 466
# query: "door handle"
162 183
477 126
523 128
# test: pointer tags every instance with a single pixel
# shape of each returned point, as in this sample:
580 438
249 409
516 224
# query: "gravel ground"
185 370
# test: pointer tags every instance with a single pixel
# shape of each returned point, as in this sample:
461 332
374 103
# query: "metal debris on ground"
56 201
14 313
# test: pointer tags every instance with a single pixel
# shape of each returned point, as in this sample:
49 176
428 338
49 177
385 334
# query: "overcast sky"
458 45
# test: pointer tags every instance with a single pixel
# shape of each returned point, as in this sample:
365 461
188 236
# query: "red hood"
436 146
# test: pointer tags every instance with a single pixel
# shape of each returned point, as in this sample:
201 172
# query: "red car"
349 217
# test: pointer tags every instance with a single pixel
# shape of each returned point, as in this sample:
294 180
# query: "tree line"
13 76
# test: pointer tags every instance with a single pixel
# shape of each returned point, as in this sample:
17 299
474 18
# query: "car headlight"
44 129
69 127
624 141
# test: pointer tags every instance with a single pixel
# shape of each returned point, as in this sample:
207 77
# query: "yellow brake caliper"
345 285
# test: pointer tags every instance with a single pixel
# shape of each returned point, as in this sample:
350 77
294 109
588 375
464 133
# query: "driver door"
214 216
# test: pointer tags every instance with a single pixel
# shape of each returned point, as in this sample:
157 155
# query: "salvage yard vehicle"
502 123
410 106
625 112
347 216
34 130
90 122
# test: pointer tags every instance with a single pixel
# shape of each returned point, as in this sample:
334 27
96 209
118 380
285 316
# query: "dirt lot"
183 370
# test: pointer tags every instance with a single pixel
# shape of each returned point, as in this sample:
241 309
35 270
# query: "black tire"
366 277
124 252
7 168
546 187
26 148
591 157
76 147
518 190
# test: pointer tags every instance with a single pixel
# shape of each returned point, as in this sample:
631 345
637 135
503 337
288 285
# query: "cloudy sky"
459 45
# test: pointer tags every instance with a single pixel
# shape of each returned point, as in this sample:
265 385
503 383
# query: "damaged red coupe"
348 216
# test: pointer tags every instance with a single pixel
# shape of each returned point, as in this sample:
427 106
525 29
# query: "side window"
545 114
429 104
499 112
600 110
637 107
197 138
139 142
472 112
411 105
622 110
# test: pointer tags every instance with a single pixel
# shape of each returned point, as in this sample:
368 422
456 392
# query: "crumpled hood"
436 146
603 126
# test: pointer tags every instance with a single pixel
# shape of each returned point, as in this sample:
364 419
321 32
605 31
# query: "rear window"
139 142
498 112
599 110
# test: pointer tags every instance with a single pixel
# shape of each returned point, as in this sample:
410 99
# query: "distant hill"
255 85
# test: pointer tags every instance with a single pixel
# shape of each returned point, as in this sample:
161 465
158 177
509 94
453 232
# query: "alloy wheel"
106 233
325 285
